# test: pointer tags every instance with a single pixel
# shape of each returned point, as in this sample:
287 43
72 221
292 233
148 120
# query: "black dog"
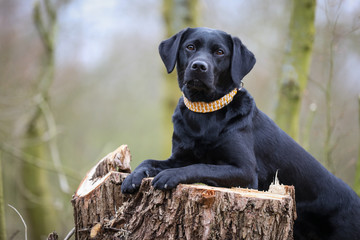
235 144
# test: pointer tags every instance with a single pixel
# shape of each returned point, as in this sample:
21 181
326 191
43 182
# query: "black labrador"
232 143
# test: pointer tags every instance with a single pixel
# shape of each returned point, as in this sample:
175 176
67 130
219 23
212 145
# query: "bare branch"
54 150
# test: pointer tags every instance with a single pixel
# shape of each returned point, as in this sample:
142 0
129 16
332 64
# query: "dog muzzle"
204 107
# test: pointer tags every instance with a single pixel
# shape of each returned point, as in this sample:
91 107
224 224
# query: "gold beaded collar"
204 107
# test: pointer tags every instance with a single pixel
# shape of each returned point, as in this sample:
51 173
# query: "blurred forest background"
78 78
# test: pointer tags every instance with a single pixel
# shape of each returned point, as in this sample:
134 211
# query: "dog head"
210 63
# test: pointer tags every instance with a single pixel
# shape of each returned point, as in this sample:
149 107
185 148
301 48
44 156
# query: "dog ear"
242 61
168 50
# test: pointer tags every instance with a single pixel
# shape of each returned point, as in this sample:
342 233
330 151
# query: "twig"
69 235
37 162
357 172
329 122
54 150
22 219
14 235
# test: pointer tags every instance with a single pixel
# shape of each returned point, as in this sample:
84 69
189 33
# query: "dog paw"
167 179
132 182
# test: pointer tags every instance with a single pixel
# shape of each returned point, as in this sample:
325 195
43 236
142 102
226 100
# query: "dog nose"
199 66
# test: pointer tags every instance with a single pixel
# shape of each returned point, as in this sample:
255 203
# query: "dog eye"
190 47
219 52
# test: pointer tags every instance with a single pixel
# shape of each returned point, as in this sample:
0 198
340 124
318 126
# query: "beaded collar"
204 107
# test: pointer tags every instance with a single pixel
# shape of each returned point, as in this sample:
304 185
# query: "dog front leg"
214 175
148 168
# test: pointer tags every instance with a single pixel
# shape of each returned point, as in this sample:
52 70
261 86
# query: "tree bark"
186 212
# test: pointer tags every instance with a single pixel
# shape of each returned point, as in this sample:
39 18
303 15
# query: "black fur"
239 145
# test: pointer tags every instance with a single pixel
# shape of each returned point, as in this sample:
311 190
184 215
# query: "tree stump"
192 211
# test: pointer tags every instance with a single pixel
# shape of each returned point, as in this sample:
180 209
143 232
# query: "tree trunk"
186 212
38 203
296 66
2 211
177 14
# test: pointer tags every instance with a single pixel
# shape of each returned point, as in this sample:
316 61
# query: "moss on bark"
296 66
